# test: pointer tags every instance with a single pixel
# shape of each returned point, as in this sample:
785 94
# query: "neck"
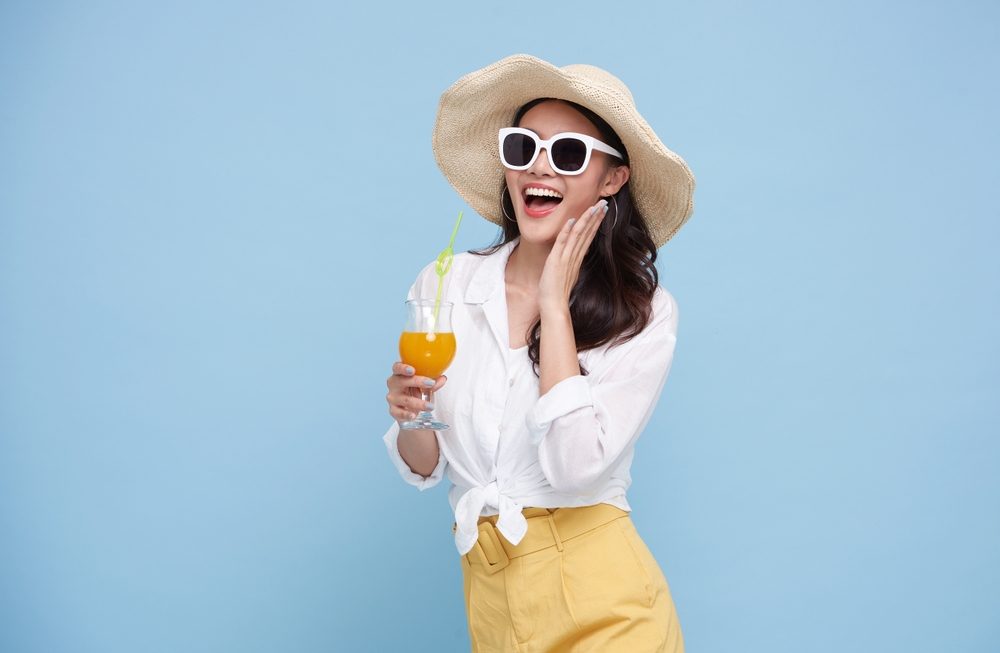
526 262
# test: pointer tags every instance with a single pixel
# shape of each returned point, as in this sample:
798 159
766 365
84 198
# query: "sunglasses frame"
589 142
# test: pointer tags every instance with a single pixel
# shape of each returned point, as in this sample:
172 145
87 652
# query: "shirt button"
500 428
512 382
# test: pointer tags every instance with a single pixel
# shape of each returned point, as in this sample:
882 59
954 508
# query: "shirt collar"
488 290
490 275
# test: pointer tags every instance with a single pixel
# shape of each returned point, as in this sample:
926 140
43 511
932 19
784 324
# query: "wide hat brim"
476 107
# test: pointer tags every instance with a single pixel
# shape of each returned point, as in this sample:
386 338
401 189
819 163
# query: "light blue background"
210 215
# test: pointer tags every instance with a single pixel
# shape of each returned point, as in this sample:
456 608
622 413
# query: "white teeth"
542 192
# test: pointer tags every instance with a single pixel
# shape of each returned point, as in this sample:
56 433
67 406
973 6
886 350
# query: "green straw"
442 266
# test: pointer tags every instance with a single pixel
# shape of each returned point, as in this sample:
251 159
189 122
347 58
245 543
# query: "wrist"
554 311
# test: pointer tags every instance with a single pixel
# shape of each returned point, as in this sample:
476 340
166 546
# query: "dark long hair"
612 299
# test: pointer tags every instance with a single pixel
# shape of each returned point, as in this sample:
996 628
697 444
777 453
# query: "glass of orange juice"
428 346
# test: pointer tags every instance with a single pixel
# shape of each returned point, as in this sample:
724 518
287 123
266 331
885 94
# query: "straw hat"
474 109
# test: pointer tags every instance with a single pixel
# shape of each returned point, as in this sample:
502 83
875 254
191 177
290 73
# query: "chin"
535 230
538 239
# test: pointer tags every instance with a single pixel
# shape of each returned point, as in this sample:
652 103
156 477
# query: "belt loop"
555 533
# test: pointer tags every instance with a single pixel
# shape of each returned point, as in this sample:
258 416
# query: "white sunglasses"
569 152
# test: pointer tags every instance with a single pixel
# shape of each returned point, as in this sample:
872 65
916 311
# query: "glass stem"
425 395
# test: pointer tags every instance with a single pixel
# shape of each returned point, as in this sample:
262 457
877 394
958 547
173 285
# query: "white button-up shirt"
507 447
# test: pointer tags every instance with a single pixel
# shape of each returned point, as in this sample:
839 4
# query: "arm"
416 454
585 426
557 349
419 449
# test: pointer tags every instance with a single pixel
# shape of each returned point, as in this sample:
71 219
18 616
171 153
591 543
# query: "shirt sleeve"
585 425
416 480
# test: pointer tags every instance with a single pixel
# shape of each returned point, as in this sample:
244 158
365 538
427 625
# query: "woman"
564 343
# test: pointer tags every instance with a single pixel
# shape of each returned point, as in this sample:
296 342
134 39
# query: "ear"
614 179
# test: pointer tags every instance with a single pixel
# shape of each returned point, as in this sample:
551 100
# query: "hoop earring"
613 224
503 209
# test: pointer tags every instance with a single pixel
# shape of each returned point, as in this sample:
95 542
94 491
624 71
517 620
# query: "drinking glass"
428 346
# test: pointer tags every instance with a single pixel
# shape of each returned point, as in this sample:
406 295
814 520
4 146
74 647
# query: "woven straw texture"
474 109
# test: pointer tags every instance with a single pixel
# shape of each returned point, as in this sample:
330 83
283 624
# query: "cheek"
585 190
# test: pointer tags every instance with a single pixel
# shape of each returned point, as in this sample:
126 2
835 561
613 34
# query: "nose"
541 166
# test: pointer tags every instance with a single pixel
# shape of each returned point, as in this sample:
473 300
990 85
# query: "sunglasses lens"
518 149
569 154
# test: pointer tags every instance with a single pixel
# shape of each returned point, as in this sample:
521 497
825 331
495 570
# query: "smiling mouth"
541 200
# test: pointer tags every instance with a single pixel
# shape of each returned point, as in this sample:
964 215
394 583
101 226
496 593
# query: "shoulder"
661 329
653 346
658 338
464 267
664 312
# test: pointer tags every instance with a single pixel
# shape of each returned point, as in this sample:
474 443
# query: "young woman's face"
540 218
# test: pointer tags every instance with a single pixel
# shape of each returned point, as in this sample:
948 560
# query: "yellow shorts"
580 580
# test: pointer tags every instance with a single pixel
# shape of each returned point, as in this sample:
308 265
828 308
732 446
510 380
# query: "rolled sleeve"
584 427
561 400
416 480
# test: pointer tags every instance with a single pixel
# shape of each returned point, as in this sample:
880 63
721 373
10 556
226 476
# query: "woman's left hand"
562 267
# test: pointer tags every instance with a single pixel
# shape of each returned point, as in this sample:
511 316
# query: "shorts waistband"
546 528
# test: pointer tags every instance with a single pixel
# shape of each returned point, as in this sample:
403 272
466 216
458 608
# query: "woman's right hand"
404 392
419 449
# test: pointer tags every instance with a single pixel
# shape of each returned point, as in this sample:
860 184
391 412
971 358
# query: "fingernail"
409 370
429 406
429 383
571 221
605 208
603 203
594 210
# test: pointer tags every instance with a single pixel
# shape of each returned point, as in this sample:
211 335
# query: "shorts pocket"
637 548
605 583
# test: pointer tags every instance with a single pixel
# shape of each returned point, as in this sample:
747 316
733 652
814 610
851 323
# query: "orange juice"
428 357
